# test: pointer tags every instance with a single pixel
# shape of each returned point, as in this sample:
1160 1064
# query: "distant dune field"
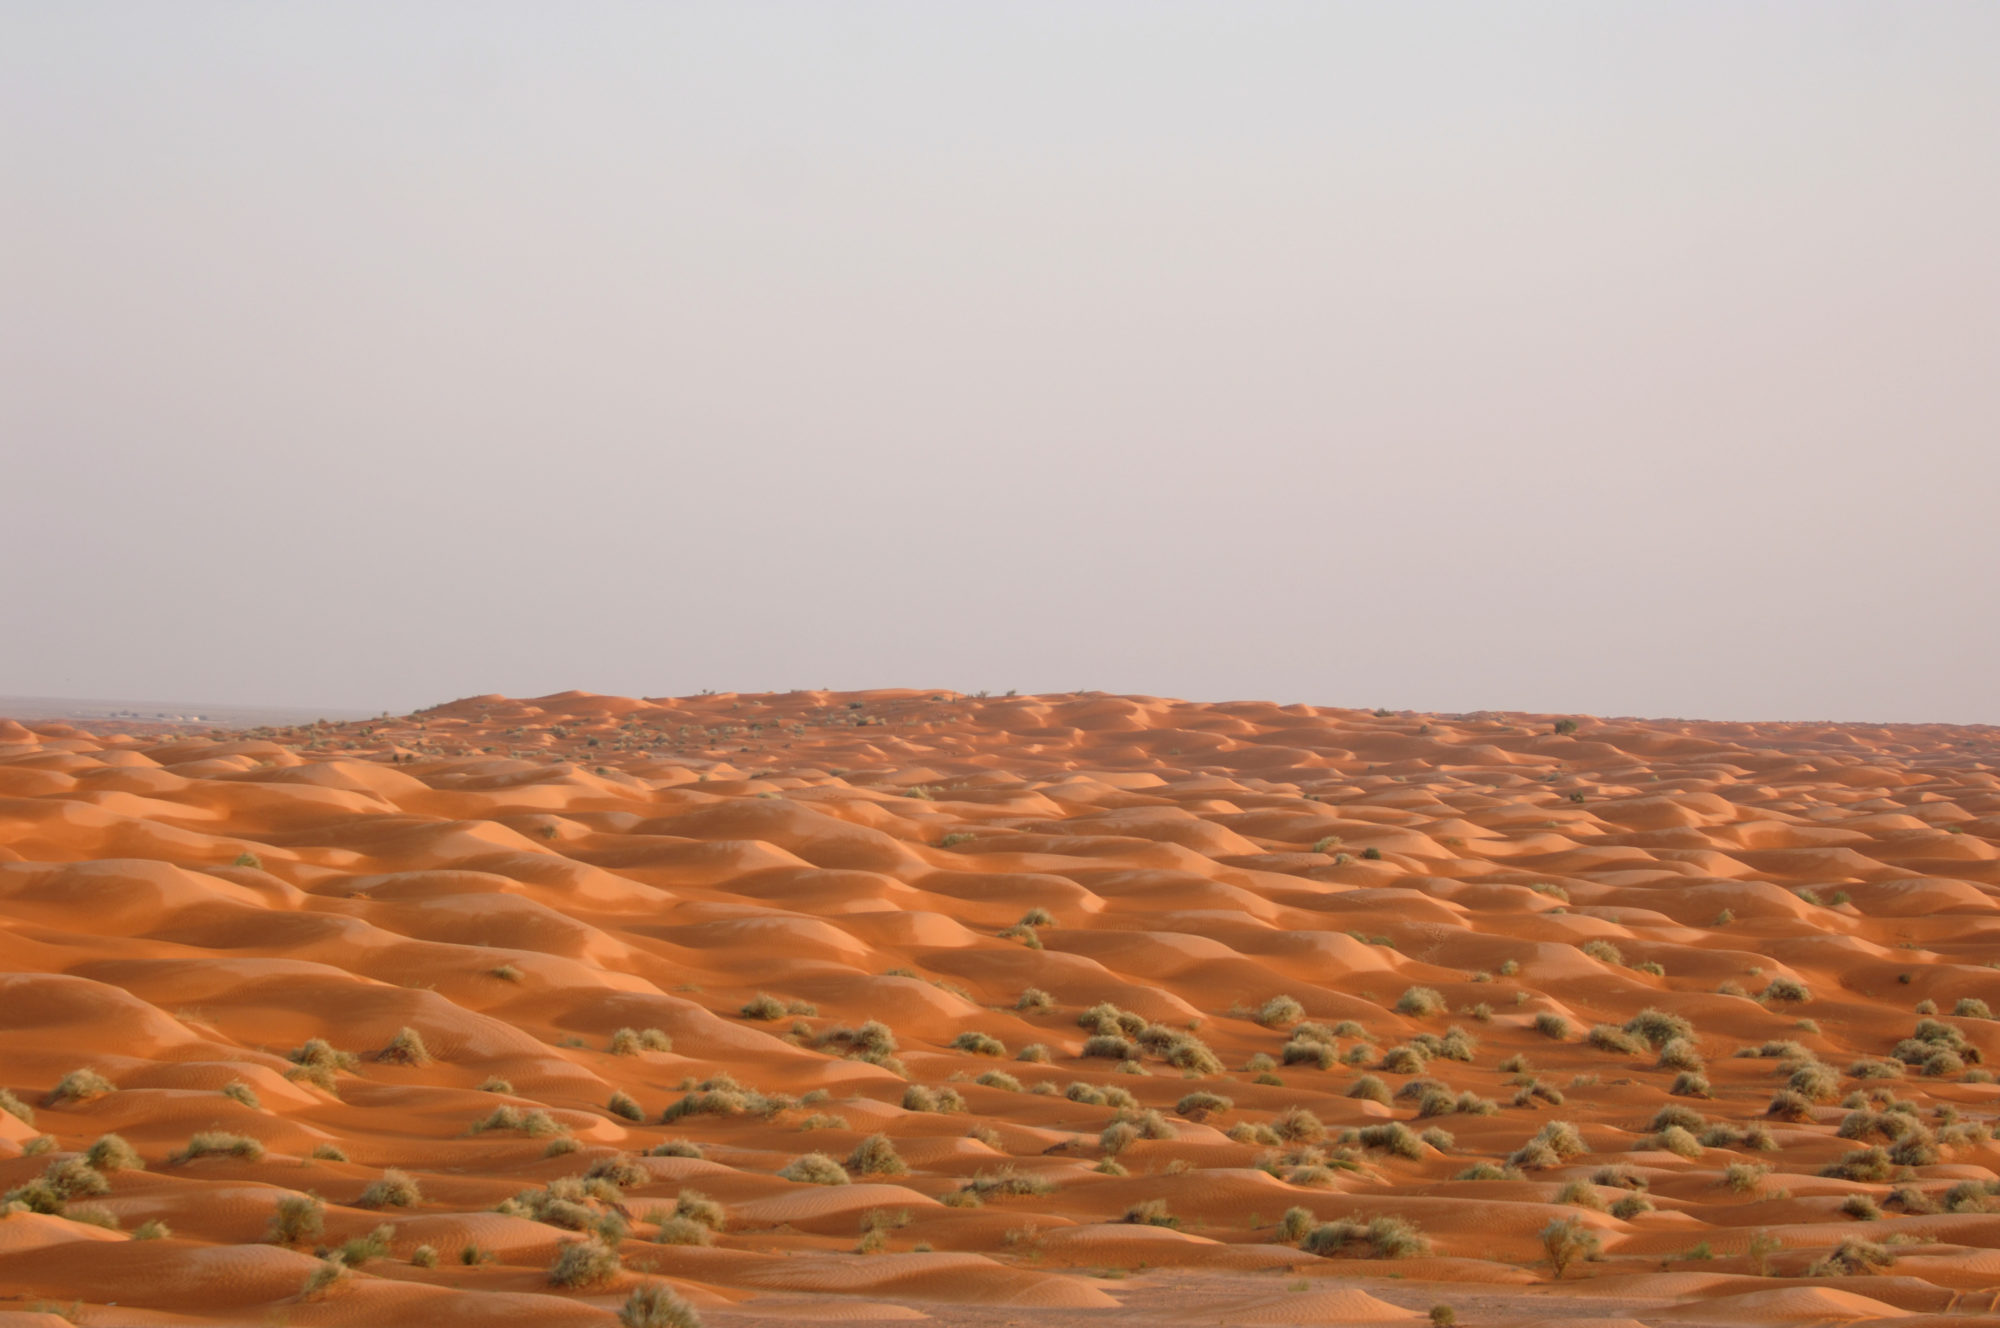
1052 1010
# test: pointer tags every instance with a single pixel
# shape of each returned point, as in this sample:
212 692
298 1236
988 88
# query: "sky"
1636 358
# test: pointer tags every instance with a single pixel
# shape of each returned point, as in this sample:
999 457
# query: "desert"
908 1005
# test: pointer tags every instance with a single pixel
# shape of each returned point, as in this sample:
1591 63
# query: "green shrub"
1566 1240
298 1218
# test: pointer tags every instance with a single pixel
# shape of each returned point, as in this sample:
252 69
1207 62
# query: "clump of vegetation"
297 1219
406 1048
79 1086
979 1044
111 1153
875 1156
393 1189
654 1305
1566 1240
814 1169
1279 1011
1034 1000
582 1263
216 1143
1421 1003
1378 1237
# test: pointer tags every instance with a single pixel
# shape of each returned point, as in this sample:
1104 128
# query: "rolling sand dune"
907 1006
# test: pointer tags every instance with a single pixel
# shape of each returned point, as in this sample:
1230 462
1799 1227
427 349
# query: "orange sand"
518 881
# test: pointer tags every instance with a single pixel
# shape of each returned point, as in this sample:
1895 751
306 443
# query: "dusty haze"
1631 359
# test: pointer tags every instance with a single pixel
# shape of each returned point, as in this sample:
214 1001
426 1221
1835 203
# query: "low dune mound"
907 1004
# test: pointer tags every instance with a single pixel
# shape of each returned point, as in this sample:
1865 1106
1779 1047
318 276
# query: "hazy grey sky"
1628 358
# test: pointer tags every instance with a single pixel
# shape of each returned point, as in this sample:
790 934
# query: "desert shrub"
298 1218
1316 1054
559 1146
1689 1084
1566 1240
1295 1224
620 1169
1580 1194
1007 1181
1659 1027
1200 1105
625 1106
1862 1207
1151 1213
1298 1125
16 1108
1678 1141
111 1153
1382 1237
1631 1206
393 1189
1392 1137
814 1169
1609 1037
1552 1025
1403 1060
1603 951
582 1263
1033 1000
1870 1068
1745 1177
1557 1141
999 1079
876 1156
1864 1164
1851 1258
654 1305
1488 1171
1787 989
1971 1007
1110 1046
323 1278
1675 1114
763 1006
215 1143
1370 1089
1790 1106
1420 1002
79 1086
943 1100
979 1044
406 1048
1680 1054
327 1153
1280 1010
680 1231
1816 1082
151 1229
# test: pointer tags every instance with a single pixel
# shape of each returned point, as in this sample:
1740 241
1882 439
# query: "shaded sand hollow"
1093 1008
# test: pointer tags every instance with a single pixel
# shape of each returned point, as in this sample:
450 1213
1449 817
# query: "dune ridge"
1095 1008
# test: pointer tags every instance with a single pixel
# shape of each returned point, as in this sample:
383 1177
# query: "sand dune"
385 1021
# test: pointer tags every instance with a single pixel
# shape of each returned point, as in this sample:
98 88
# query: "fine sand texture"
904 1006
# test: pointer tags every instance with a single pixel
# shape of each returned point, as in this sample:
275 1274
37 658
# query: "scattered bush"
298 1218
406 1048
79 1086
1566 1240
814 1169
393 1189
875 1156
654 1305
1421 1003
582 1263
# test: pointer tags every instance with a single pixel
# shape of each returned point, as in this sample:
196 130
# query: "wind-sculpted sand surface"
895 1006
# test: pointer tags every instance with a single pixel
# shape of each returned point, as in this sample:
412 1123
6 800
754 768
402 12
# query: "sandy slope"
519 881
